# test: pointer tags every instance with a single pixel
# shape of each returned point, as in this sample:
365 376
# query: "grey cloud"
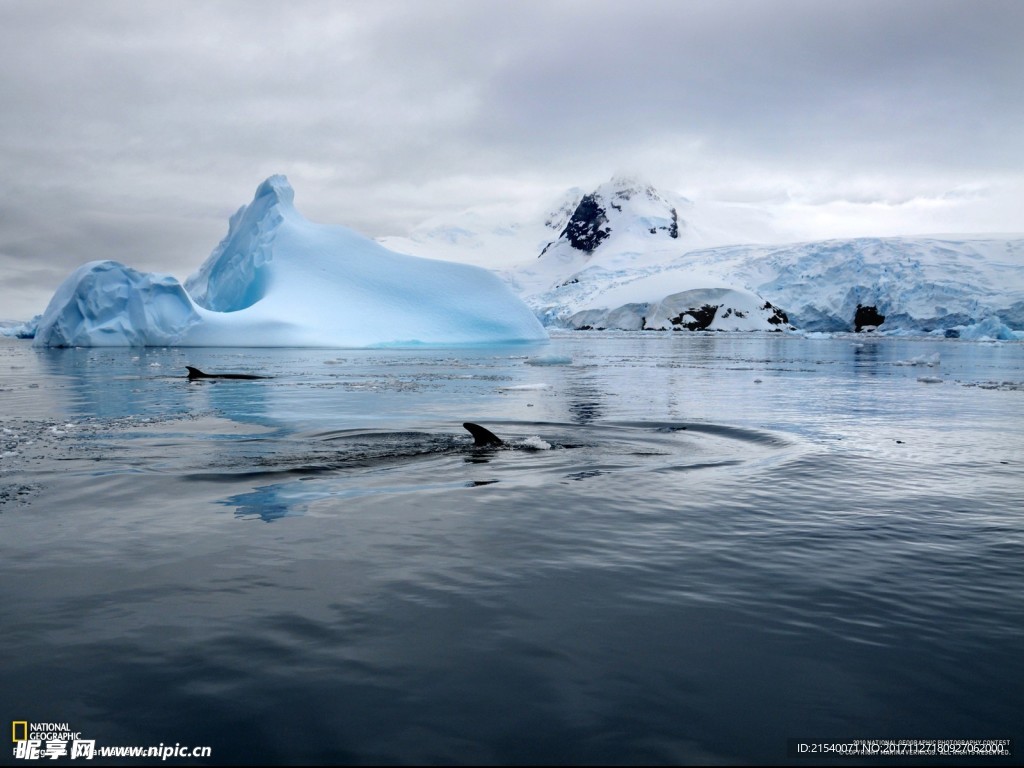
878 82
133 130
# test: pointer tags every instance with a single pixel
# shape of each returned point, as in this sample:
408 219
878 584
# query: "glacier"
279 280
629 256
971 287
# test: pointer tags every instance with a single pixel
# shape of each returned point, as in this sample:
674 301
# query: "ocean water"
691 548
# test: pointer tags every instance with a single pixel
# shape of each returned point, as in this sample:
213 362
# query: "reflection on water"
267 503
584 400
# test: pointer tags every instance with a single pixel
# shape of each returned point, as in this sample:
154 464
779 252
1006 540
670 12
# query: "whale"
195 373
482 437
358 450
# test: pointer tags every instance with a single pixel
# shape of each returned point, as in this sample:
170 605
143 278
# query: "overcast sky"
133 130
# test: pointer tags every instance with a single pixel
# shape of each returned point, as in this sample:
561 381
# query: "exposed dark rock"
672 229
700 318
867 316
588 225
778 317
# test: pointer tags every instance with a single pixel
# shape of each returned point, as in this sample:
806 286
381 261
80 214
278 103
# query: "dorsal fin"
482 437
195 373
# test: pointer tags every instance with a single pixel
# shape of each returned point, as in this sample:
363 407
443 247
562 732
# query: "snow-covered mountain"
500 237
279 280
602 270
627 255
579 261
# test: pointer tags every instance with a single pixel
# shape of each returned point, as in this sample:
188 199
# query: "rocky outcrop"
867 318
706 309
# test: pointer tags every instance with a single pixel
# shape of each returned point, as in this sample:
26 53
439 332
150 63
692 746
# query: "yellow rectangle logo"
24 730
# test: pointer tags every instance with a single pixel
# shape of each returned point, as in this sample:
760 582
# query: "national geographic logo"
22 730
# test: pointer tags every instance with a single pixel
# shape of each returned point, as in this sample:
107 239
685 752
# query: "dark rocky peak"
587 226
622 204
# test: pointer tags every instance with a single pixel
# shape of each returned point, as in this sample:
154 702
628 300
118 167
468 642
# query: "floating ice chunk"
928 360
990 328
523 387
549 360
929 379
16 330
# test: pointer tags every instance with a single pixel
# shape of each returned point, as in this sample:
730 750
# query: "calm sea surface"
692 548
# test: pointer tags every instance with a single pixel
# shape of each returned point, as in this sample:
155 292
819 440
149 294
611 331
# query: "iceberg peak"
235 275
278 189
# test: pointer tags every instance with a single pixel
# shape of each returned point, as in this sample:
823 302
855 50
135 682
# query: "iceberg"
17 329
106 304
278 280
989 329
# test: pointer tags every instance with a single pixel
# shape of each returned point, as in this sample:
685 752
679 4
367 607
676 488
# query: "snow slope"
279 280
630 256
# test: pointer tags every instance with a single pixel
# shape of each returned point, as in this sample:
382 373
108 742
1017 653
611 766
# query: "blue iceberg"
278 280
